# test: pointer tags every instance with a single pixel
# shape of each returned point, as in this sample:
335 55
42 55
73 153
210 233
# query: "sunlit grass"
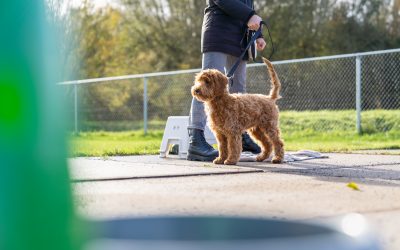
325 131
115 143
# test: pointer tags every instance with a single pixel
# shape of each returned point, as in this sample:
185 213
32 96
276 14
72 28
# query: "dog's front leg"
222 148
234 148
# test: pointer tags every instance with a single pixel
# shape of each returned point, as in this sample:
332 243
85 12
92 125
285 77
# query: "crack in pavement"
164 176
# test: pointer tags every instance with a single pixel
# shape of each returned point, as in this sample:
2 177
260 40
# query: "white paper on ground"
301 155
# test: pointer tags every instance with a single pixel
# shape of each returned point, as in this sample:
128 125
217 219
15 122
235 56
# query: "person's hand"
254 22
260 44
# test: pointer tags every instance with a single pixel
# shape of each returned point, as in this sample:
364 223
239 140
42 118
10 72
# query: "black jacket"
225 26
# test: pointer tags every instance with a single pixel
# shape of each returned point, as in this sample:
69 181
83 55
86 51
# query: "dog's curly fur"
231 114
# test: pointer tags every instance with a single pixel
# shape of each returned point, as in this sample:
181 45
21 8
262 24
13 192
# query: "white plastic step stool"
176 133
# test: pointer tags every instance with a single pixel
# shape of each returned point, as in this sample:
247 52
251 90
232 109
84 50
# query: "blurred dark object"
195 233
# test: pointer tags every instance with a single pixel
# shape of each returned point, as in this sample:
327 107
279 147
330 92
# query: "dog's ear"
220 82
198 76
221 78
204 76
225 79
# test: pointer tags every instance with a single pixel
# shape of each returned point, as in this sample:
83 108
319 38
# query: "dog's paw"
230 162
218 160
261 158
277 160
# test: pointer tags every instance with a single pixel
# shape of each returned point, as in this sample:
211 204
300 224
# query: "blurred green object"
36 210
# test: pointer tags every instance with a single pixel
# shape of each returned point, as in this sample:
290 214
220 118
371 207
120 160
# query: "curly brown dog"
230 115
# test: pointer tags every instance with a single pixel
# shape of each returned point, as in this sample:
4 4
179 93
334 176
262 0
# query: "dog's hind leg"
222 148
262 138
234 148
274 135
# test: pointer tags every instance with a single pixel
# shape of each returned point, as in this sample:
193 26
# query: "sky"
63 5
97 3
102 3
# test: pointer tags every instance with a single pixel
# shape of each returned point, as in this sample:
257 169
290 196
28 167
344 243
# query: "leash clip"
230 79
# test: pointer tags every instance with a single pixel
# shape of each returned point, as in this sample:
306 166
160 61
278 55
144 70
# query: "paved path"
148 185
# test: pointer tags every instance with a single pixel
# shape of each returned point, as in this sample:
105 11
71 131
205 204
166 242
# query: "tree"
162 35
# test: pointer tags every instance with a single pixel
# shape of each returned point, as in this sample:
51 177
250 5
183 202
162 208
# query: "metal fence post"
145 105
76 108
358 94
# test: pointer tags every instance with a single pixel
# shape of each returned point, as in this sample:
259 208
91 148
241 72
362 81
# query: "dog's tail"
276 84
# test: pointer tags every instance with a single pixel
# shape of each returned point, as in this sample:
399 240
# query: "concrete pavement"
147 185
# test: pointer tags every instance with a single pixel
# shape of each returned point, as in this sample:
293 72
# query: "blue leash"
252 40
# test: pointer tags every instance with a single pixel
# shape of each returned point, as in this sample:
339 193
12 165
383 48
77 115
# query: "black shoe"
249 144
199 149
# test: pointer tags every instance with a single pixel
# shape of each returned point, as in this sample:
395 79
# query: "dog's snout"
197 91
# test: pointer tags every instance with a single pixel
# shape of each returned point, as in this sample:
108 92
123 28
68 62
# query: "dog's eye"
207 82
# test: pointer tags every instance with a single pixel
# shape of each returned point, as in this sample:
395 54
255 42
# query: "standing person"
224 34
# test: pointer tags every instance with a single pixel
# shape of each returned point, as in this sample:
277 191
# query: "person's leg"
239 86
197 116
239 78
199 149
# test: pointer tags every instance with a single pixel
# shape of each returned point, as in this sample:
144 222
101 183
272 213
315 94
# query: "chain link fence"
350 84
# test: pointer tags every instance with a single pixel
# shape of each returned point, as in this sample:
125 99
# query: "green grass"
115 143
120 125
325 131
